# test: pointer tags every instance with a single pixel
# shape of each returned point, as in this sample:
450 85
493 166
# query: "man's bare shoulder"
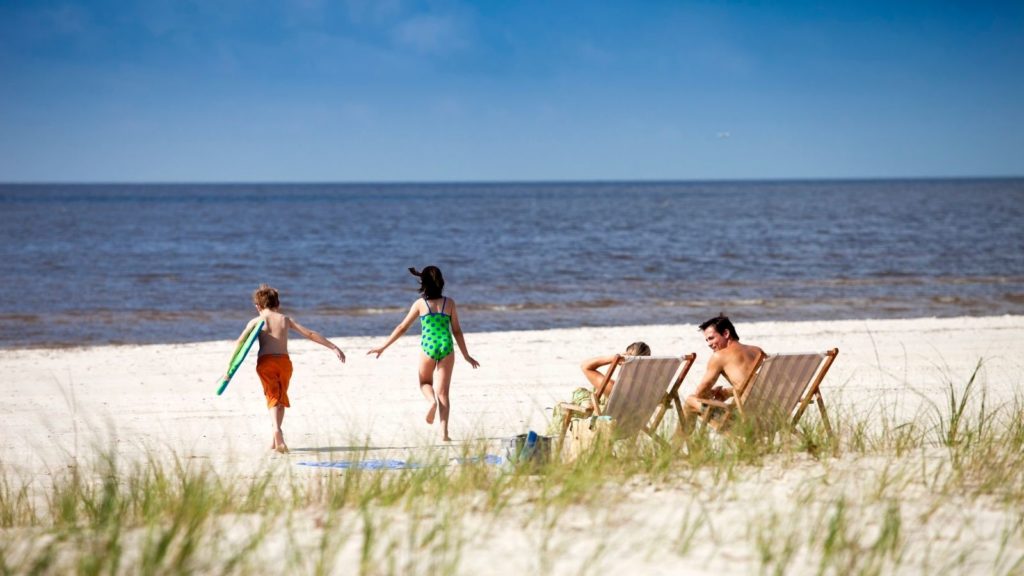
752 350
732 351
720 358
734 354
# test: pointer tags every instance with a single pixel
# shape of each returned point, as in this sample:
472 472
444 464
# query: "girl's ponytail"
431 281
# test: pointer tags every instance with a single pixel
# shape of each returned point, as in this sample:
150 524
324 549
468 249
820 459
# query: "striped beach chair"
778 391
646 387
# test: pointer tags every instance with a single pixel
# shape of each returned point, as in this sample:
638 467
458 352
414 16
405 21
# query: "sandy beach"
138 400
163 396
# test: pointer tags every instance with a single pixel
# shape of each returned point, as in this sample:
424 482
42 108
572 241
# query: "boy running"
273 365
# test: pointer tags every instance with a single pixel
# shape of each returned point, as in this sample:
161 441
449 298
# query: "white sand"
164 395
62 402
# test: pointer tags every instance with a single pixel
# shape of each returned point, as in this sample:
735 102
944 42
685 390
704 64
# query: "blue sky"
388 90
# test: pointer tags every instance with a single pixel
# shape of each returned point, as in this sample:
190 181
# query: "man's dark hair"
721 324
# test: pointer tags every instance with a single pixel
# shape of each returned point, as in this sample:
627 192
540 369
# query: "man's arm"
316 337
703 390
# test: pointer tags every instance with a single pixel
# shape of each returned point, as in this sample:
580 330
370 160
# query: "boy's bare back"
274 336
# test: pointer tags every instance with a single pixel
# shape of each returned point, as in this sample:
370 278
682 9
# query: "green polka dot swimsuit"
436 330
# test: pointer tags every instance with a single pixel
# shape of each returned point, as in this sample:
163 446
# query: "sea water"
90 264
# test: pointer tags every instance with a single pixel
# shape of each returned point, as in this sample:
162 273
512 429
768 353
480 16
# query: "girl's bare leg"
444 380
427 385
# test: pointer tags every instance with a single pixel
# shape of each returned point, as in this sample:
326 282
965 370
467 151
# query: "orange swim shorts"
275 372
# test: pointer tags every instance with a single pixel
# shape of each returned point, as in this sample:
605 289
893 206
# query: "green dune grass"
940 492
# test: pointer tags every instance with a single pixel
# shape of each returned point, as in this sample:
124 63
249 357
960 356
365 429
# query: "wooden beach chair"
777 392
646 387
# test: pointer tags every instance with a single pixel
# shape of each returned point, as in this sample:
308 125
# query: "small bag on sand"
530 448
587 434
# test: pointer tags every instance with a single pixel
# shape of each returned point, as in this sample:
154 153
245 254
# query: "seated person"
730 359
590 367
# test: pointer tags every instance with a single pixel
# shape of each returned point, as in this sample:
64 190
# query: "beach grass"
939 492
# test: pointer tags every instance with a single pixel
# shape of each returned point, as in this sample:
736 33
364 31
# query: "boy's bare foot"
431 412
279 444
447 439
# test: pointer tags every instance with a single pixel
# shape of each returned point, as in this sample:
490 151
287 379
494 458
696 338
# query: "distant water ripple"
159 263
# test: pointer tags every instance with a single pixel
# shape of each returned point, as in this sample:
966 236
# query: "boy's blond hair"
266 298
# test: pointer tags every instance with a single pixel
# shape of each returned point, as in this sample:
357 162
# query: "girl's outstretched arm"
457 333
316 337
414 313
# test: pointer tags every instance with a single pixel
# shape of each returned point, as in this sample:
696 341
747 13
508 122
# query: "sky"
402 91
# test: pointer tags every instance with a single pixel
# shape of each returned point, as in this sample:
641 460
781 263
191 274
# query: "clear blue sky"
388 90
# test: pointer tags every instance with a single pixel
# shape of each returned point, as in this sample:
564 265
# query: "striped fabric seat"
778 390
646 387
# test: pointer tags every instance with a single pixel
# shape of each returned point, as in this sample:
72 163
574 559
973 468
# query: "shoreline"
66 345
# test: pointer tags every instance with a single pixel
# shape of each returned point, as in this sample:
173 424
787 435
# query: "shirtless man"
730 359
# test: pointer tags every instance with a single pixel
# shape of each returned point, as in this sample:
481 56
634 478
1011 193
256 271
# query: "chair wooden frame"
718 414
669 396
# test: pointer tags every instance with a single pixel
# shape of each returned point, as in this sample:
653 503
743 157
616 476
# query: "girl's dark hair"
431 281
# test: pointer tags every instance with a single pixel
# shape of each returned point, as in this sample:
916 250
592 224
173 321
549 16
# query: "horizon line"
490 182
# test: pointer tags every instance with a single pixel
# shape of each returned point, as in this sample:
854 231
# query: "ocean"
127 263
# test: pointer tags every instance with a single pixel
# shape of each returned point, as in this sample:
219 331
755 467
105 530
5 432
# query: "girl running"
439 322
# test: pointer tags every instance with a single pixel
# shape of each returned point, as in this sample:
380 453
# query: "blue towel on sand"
384 464
488 459
364 464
